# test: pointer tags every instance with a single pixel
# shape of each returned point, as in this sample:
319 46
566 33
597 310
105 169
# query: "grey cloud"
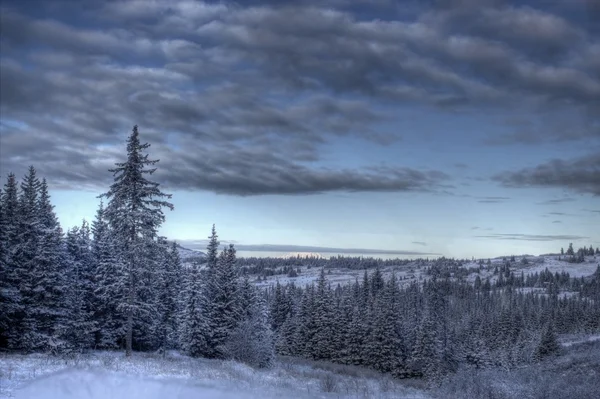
579 175
420 243
556 221
228 84
248 172
532 237
492 200
556 201
592 210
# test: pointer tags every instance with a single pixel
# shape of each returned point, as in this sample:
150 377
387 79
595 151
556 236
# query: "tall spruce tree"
41 256
224 314
195 332
80 326
11 304
109 275
134 212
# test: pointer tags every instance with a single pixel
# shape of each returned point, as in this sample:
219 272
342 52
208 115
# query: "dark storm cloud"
242 98
580 175
244 172
531 237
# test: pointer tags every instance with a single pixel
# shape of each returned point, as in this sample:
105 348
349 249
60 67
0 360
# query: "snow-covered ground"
405 274
413 271
554 265
149 376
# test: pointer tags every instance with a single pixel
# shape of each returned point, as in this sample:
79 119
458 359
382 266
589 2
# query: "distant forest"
116 284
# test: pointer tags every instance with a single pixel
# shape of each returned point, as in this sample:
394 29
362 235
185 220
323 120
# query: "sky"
438 127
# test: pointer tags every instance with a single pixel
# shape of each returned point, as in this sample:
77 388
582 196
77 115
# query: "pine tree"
80 327
11 306
251 341
134 213
321 341
548 343
195 334
570 250
41 259
212 250
224 293
110 287
168 283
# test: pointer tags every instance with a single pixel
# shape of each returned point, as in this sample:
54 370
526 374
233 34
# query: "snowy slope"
104 374
77 384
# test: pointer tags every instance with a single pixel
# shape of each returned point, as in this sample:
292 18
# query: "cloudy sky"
455 127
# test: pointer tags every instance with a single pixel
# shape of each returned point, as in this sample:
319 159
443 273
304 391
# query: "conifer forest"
115 284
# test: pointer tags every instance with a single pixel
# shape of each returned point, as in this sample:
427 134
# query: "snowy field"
150 376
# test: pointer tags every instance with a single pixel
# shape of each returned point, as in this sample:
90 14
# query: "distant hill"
186 253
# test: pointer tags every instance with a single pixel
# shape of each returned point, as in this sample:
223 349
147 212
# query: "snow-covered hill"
415 270
187 254
103 375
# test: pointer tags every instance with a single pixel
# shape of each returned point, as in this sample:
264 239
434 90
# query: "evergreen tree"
195 334
570 250
134 213
548 343
11 305
212 250
251 341
321 341
224 309
110 284
80 327
41 256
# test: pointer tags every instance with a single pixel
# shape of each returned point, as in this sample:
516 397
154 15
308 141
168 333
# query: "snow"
334 276
75 384
554 265
568 341
104 374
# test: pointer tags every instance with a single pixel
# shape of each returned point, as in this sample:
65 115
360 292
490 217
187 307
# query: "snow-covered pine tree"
24 253
251 341
79 330
384 349
173 303
321 340
224 295
109 275
212 250
11 305
134 212
41 255
167 286
548 343
195 332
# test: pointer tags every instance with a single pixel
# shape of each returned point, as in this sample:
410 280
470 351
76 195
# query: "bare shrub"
328 383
